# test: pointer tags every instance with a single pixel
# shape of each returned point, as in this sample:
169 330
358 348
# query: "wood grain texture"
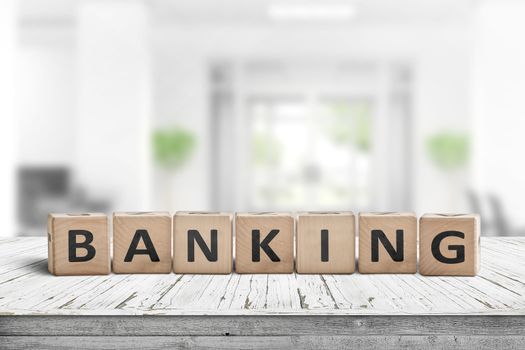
157 226
261 325
281 244
59 226
27 288
431 225
340 246
204 223
389 224
266 342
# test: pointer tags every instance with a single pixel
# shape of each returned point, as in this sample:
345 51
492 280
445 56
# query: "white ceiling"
248 11
257 10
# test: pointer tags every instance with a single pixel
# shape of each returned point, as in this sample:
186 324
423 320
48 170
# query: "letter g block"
78 244
449 244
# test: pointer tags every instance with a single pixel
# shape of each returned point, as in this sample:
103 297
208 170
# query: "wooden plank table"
261 311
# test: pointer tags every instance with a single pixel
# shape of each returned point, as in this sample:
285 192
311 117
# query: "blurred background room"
256 105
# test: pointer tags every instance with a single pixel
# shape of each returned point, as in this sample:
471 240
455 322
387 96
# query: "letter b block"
202 242
142 242
387 243
78 244
449 244
264 243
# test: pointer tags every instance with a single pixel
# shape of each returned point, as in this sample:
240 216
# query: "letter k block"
264 243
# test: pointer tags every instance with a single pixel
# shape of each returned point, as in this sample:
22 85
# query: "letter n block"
325 242
449 244
387 243
202 242
142 242
264 243
78 244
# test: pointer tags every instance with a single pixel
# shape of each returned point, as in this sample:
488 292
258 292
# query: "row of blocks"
264 243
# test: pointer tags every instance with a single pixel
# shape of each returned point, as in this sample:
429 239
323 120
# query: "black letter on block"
194 235
257 245
324 245
396 254
460 249
150 249
74 245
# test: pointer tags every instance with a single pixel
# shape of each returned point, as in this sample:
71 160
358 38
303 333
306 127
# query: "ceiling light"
311 12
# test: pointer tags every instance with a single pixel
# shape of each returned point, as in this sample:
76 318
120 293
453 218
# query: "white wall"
498 85
112 159
83 99
7 111
45 104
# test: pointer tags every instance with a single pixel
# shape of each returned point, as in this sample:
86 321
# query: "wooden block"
78 244
264 243
325 242
142 242
387 243
449 244
202 242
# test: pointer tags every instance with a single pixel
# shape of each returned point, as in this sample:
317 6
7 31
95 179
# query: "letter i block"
202 242
264 242
325 242
387 243
449 244
78 244
142 242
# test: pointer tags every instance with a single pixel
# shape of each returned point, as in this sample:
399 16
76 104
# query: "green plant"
448 150
172 147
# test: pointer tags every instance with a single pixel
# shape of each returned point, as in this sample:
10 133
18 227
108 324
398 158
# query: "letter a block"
142 242
202 242
264 243
78 244
387 243
325 242
449 244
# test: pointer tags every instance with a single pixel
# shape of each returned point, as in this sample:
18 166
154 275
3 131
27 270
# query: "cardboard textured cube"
449 244
142 242
264 242
325 242
387 243
78 244
202 242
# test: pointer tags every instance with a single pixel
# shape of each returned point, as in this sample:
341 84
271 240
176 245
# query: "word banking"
201 242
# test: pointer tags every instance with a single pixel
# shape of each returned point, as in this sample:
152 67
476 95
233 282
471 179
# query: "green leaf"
172 147
448 150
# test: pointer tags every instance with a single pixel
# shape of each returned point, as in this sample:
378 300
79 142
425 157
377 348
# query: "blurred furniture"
42 190
38 310
500 219
39 189
494 220
474 203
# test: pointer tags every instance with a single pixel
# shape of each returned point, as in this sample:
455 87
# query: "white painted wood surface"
26 288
